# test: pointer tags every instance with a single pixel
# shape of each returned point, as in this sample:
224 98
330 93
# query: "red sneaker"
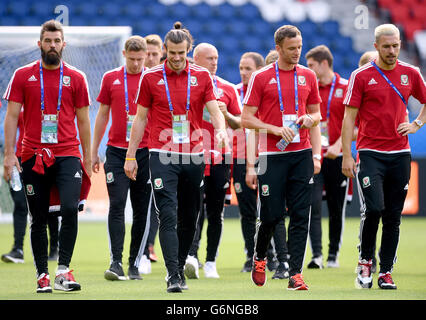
66 282
385 281
43 283
296 283
258 275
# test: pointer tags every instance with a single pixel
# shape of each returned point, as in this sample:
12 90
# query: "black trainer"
248 265
14 256
183 284
133 273
282 271
115 272
173 283
272 264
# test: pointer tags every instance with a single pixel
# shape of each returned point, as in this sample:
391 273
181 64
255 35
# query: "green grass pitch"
91 258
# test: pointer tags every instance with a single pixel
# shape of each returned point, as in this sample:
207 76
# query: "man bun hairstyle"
179 34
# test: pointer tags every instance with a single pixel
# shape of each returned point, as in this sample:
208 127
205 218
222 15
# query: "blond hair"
387 29
135 43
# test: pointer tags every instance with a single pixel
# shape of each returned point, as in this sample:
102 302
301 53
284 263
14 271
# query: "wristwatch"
317 156
419 122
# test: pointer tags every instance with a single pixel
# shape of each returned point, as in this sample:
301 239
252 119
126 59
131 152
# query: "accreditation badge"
49 128
129 122
180 127
289 120
324 134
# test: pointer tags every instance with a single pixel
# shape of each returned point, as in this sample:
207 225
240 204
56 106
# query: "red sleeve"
209 92
15 89
353 96
419 87
254 91
104 96
314 95
234 106
144 97
81 95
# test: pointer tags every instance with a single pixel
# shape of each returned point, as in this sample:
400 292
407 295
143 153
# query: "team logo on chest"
301 80
219 92
404 79
66 81
339 93
194 81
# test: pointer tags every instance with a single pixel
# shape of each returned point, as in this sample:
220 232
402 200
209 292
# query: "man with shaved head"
217 172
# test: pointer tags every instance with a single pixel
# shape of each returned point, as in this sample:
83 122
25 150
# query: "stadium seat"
400 13
179 11
247 11
18 9
410 27
135 10
110 9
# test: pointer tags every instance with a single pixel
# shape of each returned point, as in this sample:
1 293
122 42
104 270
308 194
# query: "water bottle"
15 180
282 144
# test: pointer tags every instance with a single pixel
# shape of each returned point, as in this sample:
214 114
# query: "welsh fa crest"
366 182
158 183
265 190
30 190
404 79
66 80
301 80
339 93
194 81
109 177
238 187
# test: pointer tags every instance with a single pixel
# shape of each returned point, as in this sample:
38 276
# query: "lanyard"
61 75
188 91
330 96
126 92
296 95
389 82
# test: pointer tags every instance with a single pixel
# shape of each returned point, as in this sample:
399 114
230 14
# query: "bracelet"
130 159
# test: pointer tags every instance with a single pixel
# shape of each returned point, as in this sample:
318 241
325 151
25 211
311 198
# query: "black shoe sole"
174 288
112 276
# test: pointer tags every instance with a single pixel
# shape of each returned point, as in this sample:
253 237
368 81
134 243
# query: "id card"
288 120
180 129
130 119
49 129
324 134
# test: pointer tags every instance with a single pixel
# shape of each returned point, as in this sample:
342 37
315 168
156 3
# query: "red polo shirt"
381 109
333 117
152 95
262 93
228 94
24 88
112 94
239 135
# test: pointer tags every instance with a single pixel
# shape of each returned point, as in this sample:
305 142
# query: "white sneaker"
210 270
333 264
191 268
145 265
